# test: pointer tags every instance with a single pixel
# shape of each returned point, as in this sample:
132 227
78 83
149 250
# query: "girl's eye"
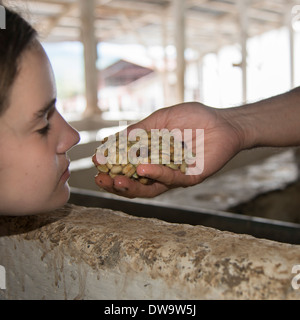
44 131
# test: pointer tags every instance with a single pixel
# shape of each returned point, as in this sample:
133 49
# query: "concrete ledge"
93 253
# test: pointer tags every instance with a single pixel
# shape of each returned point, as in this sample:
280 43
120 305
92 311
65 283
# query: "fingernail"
119 189
143 173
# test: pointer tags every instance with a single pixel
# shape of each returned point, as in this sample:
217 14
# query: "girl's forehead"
34 87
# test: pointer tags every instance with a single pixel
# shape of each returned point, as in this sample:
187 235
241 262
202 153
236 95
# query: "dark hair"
14 40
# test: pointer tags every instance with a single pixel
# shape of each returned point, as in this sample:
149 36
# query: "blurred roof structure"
122 73
202 25
210 24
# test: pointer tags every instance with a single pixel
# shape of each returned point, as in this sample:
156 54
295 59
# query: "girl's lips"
66 174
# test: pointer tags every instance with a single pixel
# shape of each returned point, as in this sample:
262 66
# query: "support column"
291 43
200 78
165 57
89 41
243 22
180 42
292 56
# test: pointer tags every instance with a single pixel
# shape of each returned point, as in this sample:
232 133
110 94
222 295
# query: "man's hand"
222 140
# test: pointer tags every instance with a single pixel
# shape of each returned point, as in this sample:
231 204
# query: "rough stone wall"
93 253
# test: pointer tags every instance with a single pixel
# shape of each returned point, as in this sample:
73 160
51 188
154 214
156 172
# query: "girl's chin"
39 204
64 195
59 199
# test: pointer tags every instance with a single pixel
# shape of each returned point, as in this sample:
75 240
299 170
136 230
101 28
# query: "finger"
131 188
128 188
164 175
104 181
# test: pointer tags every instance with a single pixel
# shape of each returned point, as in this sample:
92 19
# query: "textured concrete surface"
92 253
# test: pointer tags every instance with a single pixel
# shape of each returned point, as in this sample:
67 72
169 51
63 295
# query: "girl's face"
34 139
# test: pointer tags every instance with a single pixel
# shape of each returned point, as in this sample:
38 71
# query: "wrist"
242 120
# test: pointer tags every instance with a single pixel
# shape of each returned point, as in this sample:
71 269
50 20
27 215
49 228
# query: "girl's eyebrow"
41 113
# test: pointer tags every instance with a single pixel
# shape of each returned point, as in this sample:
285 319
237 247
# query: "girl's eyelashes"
44 131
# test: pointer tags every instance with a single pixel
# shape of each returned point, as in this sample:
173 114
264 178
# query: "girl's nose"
68 138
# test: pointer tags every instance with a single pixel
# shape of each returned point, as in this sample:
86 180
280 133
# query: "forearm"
273 122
